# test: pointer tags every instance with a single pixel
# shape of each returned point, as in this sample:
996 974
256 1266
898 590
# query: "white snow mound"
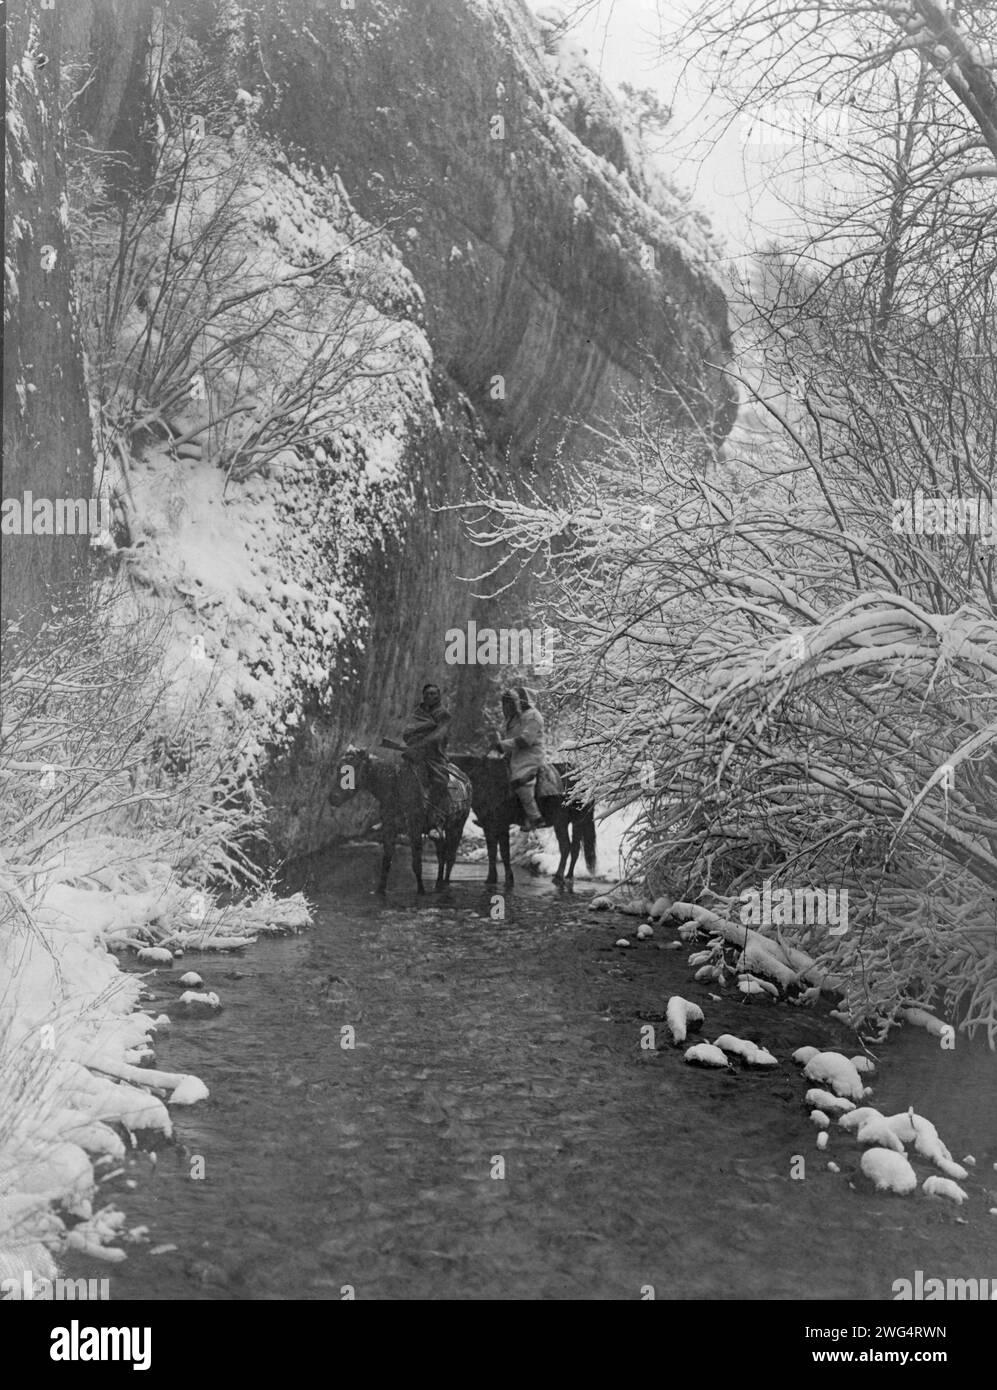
706 1055
837 1072
681 1016
944 1187
823 1100
750 1052
889 1171
876 1131
190 1090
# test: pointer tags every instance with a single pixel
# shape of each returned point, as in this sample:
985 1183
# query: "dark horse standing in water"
395 787
497 808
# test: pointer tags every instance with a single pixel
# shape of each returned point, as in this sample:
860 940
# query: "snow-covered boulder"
190 1090
837 1072
191 979
802 1055
854 1118
823 1100
682 1017
889 1171
192 1002
818 1118
916 1130
706 1055
749 1052
944 1187
863 1065
876 1131
155 955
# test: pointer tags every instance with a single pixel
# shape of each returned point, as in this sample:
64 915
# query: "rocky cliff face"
498 165
539 261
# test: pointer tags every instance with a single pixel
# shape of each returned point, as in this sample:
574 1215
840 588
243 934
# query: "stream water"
497 1130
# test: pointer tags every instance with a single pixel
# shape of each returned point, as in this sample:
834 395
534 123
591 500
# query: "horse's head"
352 771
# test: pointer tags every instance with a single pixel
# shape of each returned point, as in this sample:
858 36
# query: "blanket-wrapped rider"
522 740
425 736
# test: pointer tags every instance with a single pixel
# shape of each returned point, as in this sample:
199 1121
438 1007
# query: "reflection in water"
497 1131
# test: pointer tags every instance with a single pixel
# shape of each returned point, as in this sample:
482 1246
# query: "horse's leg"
454 837
442 848
415 835
564 848
491 842
506 860
387 853
576 845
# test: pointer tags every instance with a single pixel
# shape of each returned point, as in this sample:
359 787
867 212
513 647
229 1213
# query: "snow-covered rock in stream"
822 1139
837 1072
191 979
194 1002
682 1016
706 1055
750 1053
155 955
944 1187
189 1091
818 1118
916 1130
824 1100
856 1117
865 1066
889 1171
802 1055
876 1131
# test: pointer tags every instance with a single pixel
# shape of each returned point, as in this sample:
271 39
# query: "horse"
497 807
396 789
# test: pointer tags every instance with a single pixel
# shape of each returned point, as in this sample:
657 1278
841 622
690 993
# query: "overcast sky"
723 170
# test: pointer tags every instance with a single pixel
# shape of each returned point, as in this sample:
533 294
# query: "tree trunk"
48 444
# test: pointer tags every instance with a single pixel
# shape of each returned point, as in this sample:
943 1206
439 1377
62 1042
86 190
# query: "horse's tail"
588 840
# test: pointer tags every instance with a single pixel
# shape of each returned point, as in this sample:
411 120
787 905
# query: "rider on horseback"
426 735
523 742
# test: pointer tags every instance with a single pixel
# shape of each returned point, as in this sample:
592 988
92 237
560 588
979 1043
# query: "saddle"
458 791
458 788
